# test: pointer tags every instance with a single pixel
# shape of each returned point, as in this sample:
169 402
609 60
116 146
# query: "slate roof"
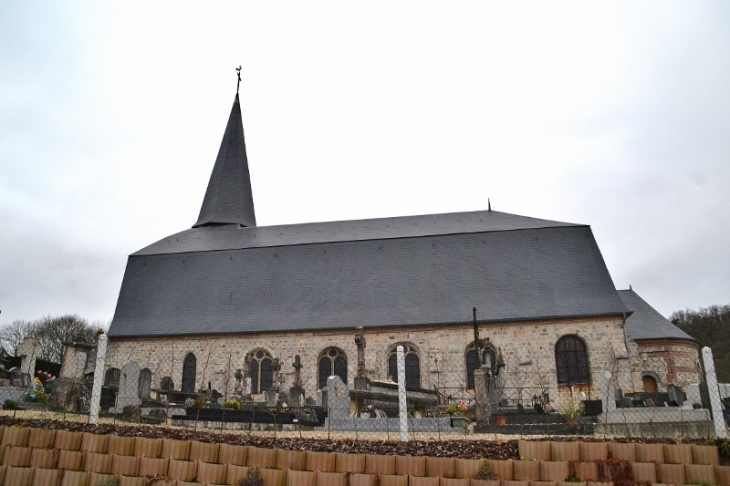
229 199
646 322
232 237
226 275
404 271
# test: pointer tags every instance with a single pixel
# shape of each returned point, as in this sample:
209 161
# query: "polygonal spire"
229 199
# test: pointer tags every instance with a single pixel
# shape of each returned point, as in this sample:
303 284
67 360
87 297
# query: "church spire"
229 199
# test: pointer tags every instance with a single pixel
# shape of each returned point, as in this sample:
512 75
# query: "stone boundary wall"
12 393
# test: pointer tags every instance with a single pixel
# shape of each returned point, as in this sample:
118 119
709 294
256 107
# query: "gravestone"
296 392
296 397
676 394
272 398
608 396
482 409
29 350
145 384
693 395
247 383
167 384
361 380
338 398
128 386
73 363
625 402
247 386
275 375
238 389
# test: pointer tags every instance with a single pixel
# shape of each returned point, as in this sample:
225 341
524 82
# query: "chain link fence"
493 403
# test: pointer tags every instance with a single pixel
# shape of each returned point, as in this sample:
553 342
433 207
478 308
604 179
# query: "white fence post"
98 378
402 405
714 393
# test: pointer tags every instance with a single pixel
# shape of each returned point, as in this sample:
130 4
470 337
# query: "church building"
281 306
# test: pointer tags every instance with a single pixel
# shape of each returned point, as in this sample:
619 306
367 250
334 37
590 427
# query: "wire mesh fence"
494 403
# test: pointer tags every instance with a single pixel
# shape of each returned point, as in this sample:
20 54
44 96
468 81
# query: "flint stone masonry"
441 350
672 362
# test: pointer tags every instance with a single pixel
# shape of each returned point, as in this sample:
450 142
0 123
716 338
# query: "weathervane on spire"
238 71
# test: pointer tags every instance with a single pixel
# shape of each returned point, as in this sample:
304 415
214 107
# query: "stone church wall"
528 350
674 362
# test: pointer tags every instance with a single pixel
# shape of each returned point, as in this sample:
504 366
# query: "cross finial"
238 71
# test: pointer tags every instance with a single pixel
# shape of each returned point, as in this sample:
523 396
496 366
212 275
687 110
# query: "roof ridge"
403 227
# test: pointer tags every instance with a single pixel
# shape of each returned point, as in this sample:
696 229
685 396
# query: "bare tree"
709 326
50 332
11 335
53 332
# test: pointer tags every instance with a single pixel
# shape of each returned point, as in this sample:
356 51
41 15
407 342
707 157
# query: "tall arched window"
188 375
472 362
144 384
111 377
571 361
413 365
262 371
332 361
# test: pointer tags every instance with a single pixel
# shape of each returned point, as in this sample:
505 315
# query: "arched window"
144 384
571 361
472 362
262 371
413 365
111 377
188 375
332 361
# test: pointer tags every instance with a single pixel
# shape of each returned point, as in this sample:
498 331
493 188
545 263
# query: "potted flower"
455 411
571 411
45 381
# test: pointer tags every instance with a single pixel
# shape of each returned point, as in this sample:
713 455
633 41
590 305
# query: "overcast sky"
611 114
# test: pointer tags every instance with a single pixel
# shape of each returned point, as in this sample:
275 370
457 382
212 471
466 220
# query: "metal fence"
501 404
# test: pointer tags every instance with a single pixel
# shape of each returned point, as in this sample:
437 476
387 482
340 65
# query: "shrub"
486 472
451 409
41 396
232 404
10 405
110 482
253 479
723 447
572 478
